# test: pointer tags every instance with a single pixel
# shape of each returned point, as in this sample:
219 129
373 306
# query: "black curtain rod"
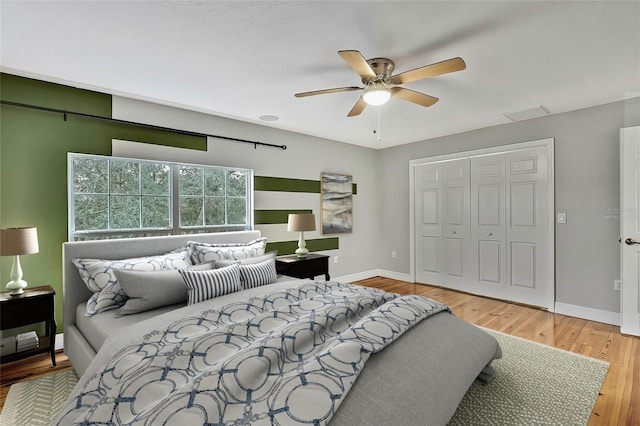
148 126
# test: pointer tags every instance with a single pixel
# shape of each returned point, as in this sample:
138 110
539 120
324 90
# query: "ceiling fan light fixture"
376 96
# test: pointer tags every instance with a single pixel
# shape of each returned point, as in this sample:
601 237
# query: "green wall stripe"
289 247
269 183
268 217
50 95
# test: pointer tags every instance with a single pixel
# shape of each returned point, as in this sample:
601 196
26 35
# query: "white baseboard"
374 273
59 341
590 314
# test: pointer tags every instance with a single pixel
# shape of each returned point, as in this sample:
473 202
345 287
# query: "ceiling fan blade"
325 91
413 96
357 108
433 70
358 63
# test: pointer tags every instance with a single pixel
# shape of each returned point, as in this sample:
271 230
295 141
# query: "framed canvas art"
337 203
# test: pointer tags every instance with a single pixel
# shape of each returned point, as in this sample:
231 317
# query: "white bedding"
288 357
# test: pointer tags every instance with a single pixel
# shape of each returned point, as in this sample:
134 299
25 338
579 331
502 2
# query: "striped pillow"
204 285
258 274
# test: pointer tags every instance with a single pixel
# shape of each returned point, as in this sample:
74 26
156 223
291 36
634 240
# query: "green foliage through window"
117 197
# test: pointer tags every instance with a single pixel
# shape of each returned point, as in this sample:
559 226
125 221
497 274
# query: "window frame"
174 196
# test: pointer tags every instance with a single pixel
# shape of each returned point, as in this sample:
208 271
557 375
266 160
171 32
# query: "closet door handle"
630 241
491 234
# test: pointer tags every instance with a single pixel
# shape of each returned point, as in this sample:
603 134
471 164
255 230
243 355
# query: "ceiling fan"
377 79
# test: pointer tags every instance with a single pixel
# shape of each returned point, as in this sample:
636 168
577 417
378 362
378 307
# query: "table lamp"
14 242
300 222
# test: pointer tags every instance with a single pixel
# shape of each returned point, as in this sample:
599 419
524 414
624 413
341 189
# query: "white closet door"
457 267
428 222
527 222
442 223
482 225
488 227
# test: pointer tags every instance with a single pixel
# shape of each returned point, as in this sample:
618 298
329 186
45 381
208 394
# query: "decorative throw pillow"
204 285
99 277
150 290
204 252
258 274
257 259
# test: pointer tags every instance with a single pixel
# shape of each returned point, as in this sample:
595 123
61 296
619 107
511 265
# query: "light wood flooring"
619 400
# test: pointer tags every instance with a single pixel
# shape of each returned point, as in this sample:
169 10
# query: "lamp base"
17 287
301 252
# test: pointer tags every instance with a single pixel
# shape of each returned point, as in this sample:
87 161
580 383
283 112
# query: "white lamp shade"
301 222
376 96
17 241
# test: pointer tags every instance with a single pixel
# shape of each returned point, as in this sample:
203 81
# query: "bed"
390 360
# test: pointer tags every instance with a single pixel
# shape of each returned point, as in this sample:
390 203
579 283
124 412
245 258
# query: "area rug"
535 385
36 402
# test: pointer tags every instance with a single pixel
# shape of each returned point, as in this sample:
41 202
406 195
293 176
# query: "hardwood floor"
619 400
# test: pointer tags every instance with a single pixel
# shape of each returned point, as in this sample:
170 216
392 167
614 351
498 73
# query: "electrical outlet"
335 259
617 285
393 254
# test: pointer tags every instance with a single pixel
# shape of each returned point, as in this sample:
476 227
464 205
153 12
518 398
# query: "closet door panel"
458 266
488 226
523 265
490 262
428 214
454 259
430 258
527 226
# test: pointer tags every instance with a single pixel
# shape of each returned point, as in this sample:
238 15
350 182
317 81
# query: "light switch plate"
562 218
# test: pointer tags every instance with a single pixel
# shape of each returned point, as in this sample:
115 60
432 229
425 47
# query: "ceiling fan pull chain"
378 124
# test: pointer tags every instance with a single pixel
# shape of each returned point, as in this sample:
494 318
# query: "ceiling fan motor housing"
382 67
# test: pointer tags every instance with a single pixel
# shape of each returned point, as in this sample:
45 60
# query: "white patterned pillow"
99 277
258 274
204 285
257 259
204 252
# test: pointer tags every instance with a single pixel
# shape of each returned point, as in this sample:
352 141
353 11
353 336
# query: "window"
113 197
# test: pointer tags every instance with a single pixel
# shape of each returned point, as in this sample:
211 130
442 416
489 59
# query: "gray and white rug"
535 385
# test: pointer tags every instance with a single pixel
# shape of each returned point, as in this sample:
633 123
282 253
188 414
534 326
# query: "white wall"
586 188
305 158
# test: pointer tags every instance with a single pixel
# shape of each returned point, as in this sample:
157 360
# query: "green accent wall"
289 247
270 217
33 165
269 183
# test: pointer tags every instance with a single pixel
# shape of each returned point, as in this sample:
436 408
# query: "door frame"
548 144
629 293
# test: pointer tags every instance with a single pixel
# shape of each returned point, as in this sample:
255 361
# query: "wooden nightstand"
303 267
34 306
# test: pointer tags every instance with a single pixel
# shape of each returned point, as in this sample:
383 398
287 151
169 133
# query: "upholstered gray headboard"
75 291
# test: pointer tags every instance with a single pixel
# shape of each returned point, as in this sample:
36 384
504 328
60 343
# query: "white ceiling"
245 59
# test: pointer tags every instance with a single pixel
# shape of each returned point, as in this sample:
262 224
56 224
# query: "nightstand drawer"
25 311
